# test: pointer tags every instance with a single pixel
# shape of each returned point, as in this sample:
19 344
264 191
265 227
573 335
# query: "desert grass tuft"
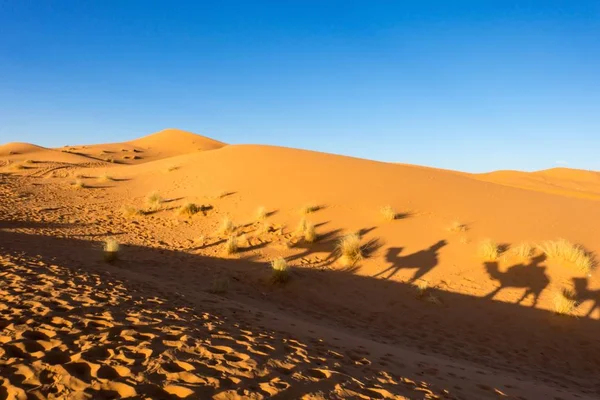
78 184
227 227
310 234
261 213
231 245
488 250
306 229
280 270
350 249
131 212
111 249
563 250
564 302
105 178
421 286
388 213
456 227
189 209
172 168
309 208
154 201
523 251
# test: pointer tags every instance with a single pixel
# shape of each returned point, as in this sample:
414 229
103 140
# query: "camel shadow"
583 294
532 277
423 261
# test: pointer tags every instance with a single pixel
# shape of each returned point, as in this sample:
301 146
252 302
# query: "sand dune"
421 315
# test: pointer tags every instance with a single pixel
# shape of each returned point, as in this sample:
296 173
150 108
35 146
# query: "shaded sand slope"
85 333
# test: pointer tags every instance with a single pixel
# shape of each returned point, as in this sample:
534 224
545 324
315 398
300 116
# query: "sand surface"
176 317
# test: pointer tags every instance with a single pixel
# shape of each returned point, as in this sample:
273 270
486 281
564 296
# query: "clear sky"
469 85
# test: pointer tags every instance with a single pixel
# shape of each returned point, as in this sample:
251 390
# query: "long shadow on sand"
526 341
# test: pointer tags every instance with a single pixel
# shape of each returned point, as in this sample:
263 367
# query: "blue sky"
467 85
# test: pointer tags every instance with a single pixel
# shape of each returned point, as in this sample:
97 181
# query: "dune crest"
177 141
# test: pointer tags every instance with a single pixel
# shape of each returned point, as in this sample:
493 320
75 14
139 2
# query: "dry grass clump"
421 286
111 249
388 213
564 302
488 250
231 245
309 208
105 178
280 270
172 168
350 249
154 201
456 227
227 227
189 209
563 250
306 230
261 213
78 184
310 234
131 212
523 251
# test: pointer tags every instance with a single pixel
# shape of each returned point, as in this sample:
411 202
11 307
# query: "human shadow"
583 294
423 261
532 277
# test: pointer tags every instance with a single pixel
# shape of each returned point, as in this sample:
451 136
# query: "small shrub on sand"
523 251
421 287
309 208
105 178
388 213
280 270
111 249
154 201
301 228
78 184
261 214
306 230
350 249
488 250
189 209
131 212
565 251
172 168
457 227
564 302
227 227
310 234
231 245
